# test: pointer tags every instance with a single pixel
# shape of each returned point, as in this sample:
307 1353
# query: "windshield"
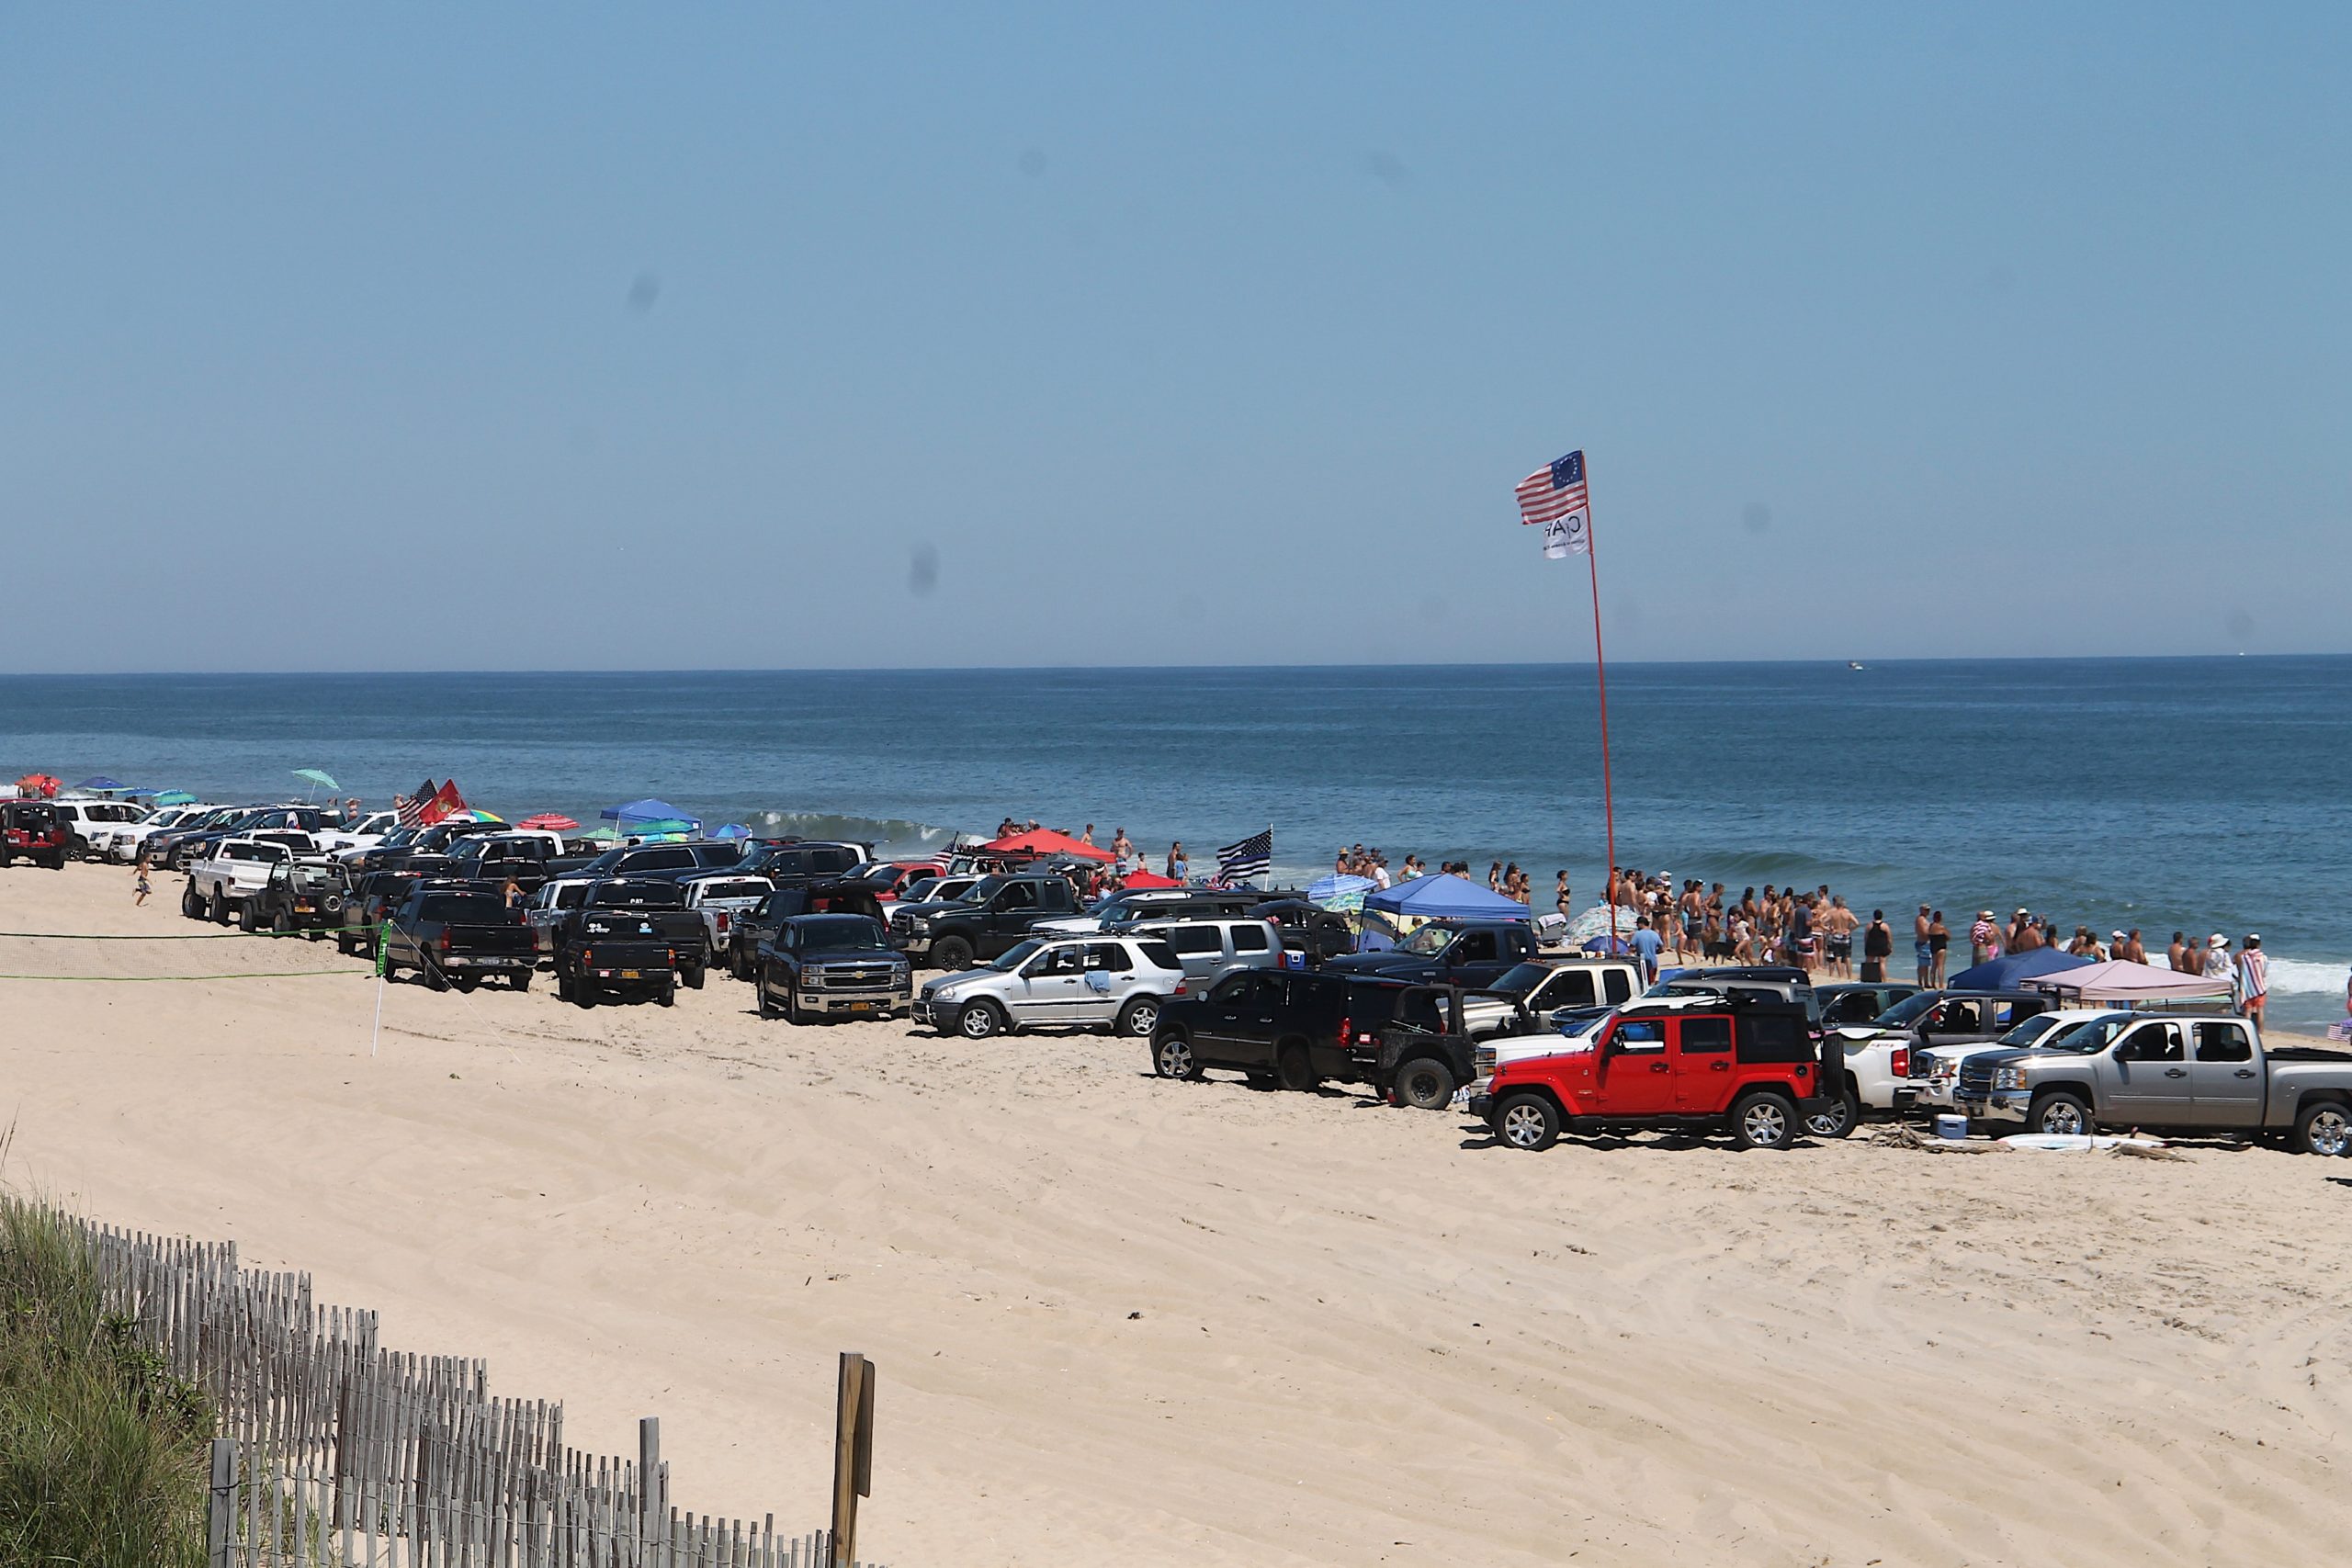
1907 1009
1521 979
2031 1030
838 932
1019 955
1427 942
2091 1034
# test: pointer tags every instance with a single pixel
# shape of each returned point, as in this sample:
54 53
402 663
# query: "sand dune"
1118 1319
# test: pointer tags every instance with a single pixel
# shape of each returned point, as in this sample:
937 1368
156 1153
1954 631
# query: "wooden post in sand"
221 1505
852 1452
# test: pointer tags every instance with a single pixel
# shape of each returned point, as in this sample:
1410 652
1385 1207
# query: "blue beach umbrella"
102 783
1338 892
733 831
637 811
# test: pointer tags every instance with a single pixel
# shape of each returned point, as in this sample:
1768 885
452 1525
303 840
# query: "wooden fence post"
852 1452
221 1505
650 1515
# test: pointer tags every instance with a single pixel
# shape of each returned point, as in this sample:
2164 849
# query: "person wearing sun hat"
1984 939
2219 963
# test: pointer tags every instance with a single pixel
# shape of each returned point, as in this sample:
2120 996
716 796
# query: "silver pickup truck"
2165 1072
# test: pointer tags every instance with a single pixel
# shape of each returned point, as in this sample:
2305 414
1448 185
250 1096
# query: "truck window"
1639 1036
2223 1042
832 860
1019 895
1475 947
1617 984
1573 988
1704 1036
1251 939
2150 1043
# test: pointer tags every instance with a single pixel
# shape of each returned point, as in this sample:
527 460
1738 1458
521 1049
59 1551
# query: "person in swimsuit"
1939 941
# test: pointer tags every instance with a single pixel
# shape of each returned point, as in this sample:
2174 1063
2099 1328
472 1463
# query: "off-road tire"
668 996
1526 1122
1763 1121
952 954
1837 1124
191 901
219 907
1425 1084
520 980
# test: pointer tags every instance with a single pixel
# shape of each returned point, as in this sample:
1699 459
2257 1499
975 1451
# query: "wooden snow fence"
335 1452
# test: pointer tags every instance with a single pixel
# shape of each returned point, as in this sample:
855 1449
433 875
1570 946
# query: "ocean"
2199 795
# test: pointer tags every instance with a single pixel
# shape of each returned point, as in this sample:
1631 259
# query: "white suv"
1099 982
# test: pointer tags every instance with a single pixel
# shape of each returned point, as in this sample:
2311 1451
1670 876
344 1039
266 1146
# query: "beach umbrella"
1339 892
601 835
1045 841
142 792
635 811
45 784
176 798
733 831
102 783
1149 879
553 821
317 777
668 827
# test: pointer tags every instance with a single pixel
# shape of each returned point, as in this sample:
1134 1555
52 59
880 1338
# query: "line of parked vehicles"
1479 1015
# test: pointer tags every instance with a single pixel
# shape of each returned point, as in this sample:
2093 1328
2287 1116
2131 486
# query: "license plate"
861 1007
632 974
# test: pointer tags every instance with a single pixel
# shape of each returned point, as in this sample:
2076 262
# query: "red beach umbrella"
1045 841
1149 879
46 785
553 821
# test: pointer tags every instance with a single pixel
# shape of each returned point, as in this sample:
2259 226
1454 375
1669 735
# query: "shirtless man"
1838 926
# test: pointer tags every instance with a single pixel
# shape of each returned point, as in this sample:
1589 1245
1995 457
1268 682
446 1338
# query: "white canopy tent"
2120 981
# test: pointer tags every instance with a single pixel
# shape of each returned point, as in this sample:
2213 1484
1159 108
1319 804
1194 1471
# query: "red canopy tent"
1044 842
1149 879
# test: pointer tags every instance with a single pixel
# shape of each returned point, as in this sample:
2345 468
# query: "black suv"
1291 1027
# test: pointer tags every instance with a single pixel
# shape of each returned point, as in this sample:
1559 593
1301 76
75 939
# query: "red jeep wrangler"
31 828
1753 1069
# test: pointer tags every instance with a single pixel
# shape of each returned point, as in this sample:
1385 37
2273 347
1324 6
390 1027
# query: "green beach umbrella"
666 826
601 835
316 777
176 798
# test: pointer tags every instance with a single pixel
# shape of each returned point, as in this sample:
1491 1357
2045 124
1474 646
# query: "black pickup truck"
404 845
987 922
818 965
454 936
759 924
373 896
305 896
605 952
654 909
1456 953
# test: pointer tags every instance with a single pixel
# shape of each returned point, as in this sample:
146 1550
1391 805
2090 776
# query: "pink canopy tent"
2117 980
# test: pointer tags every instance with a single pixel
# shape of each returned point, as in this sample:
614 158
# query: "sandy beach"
1120 1319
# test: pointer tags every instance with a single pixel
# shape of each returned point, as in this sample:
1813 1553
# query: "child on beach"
138 880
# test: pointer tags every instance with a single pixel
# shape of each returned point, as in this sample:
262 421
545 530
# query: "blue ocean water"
2198 795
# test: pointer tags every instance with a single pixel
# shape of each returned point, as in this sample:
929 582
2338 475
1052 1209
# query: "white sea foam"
2303 975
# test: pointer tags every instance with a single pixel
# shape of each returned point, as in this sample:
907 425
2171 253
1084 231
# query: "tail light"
1347 1034
725 920
1899 1064
1180 989
444 939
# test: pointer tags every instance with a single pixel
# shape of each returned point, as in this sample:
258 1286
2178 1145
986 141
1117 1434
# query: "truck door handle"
2244 1073
2176 1071
1657 1066
1719 1067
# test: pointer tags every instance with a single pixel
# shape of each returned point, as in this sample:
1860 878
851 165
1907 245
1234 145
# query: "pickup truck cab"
456 936
1471 954
2166 1073
718 897
30 829
833 965
364 833
991 919
221 885
623 919
1542 987
1935 1072
748 929
1698 1063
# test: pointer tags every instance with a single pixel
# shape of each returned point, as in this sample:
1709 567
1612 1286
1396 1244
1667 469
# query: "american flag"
1253 856
411 808
1552 492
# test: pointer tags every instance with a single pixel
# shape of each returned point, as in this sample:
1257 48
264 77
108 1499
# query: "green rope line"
172 936
151 979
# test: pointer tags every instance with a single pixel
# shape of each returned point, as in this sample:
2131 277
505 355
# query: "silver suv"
1100 982
1210 948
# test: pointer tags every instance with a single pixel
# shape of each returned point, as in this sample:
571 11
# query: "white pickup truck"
218 888
120 840
364 834
719 897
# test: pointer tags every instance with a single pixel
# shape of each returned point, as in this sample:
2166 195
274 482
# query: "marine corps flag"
444 802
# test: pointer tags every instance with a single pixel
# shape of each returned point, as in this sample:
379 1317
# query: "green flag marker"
382 931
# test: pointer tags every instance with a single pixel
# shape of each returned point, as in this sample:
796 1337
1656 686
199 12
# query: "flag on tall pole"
1253 856
410 808
1556 498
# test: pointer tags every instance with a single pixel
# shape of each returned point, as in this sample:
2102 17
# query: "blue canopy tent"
2003 972
642 811
101 783
1446 897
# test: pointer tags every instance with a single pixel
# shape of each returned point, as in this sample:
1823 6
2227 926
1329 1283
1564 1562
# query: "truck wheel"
952 953
767 1003
1526 1122
1424 1084
248 919
1139 1019
191 901
281 924
1171 1057
465 983
2061 1111
220 908
1763 1121
584 993
520 979
562 986
1835 1124
433 979
736 966
692 978
2323 1128
668 996
343 945
979 1021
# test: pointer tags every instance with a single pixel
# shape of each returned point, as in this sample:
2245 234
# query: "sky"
600 337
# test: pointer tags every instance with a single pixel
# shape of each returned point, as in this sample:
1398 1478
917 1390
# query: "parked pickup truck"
1542 987
219 886
988 922
657 902
122 840
718 898
618 952
2179 1073
1698 1063
30 829
374 895
454 936
746 932
305 895
1459 953
826 966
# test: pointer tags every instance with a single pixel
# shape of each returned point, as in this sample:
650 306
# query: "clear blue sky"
490 337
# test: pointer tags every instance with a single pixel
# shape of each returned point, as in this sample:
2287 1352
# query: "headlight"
2009 1078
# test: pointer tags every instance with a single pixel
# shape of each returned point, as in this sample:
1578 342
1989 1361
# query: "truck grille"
1976 1077
864 977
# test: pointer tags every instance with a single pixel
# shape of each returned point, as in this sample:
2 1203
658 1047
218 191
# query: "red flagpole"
1600 669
